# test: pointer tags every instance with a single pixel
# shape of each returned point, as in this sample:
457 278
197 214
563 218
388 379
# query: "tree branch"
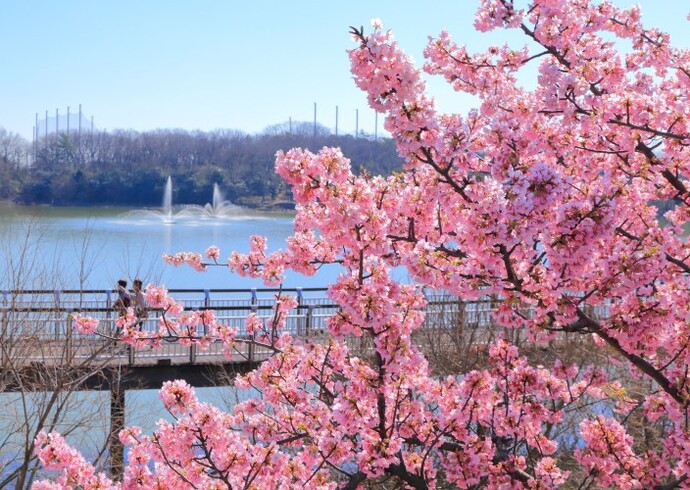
591 325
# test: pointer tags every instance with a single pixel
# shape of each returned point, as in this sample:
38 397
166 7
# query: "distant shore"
277 208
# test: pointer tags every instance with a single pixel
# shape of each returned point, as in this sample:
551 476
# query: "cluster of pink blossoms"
540 199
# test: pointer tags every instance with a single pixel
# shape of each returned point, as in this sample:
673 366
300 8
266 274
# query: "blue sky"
207 64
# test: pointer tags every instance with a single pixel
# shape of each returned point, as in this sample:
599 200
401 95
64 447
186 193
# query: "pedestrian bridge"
40 350
37 329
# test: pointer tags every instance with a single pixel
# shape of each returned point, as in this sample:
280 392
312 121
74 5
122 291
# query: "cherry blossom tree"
542 198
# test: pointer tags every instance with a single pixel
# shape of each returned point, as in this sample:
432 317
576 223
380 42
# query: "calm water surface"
93 247
69 248
90 248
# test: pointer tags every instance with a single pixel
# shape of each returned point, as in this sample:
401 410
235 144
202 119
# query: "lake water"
92 248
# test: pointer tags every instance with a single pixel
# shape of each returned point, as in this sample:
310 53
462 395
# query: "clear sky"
208 64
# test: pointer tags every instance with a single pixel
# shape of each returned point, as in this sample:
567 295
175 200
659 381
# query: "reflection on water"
93 247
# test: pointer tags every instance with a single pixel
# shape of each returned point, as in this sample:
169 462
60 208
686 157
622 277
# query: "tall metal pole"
356 123
336 120
31 156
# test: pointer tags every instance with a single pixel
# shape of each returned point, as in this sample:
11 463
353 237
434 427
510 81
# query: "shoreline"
278 209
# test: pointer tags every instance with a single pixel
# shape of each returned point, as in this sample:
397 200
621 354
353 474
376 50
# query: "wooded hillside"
131 168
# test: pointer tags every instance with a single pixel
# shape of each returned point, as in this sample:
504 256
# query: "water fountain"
218 207
167 201
163 213
218 198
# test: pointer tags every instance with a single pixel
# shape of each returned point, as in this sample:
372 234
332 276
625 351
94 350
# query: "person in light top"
140 305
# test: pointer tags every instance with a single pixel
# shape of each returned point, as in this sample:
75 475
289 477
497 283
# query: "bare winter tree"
44 365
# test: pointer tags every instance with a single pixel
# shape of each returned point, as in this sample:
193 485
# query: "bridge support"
117 423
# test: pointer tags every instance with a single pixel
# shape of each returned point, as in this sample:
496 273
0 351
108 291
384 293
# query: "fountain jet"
218 198
167 201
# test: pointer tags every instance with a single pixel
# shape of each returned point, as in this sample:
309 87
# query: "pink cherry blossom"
213 253
83 324
540 202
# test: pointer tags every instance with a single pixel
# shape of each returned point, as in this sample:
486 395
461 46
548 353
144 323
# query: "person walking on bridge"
140 305
124 299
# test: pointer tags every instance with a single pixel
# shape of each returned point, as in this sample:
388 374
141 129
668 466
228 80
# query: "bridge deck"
36 326
37 341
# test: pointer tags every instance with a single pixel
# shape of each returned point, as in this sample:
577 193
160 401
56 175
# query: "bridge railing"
104 298
39 323
43 318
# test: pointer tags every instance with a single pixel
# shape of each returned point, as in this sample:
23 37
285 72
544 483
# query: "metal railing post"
56 295
255 300
297 321
207 304
68 339
307 329
5 326
251 346
109 308
5 313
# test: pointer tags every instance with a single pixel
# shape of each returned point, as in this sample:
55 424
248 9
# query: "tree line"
126 167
